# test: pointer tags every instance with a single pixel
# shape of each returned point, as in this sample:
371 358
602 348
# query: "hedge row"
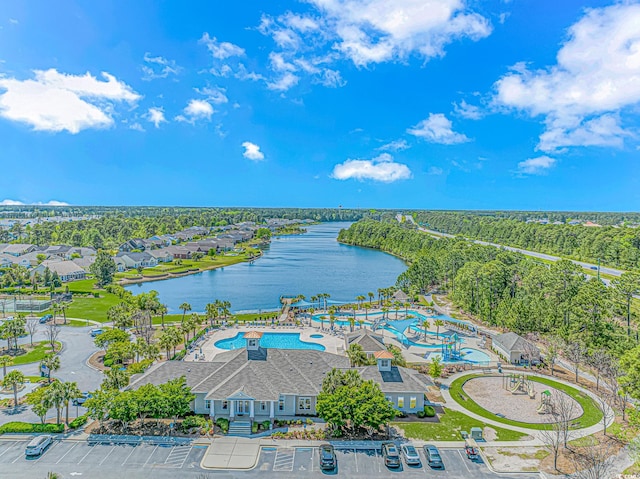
27 427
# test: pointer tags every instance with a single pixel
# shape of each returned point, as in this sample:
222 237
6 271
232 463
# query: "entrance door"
242 407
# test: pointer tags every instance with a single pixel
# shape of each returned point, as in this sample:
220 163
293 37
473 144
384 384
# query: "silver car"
410 454
38 445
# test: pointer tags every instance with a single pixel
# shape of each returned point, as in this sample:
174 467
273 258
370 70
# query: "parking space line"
147 461
47 450
132 450
178 456
65 454
284 459
464 461
9 448
113 448
85 456
355 455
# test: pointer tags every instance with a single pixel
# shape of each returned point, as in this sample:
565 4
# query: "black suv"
327 457
390 454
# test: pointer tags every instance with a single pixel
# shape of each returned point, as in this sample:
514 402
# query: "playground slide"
515 387
541 409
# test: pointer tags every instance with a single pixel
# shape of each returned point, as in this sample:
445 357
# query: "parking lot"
79 458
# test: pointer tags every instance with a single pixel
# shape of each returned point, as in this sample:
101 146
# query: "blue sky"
522 104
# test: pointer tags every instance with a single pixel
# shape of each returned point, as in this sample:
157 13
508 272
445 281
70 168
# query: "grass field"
591 414
449 427
35 354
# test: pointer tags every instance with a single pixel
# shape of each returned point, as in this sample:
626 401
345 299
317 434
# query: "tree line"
616 246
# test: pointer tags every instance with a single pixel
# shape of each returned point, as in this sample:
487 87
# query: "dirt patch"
514 459
493 394
567 457
96 360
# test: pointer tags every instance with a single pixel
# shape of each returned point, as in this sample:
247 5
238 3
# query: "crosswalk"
284 459
178 456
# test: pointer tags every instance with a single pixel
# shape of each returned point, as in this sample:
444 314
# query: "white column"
251 412
232 409
271 409
212 410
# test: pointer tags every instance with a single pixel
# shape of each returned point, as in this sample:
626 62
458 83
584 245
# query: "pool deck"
332 344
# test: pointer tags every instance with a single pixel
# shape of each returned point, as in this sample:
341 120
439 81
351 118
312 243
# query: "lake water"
306 264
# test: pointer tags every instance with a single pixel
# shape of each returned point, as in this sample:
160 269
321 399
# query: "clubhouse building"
258 384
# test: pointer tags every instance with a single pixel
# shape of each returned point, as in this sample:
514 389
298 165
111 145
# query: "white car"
38 445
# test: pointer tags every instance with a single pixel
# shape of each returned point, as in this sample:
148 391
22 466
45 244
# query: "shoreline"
165 276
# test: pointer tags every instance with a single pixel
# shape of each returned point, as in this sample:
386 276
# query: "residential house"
85 262
138 260
17 249
161 255
131 245
515 349
67 270
61 251
178 252
257 384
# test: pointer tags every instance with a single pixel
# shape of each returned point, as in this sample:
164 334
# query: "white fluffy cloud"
395 145
215 95
221 50
597 76
156 116
536 166
196 110
158 67
54 101
465 110
252 151
437 129
8 202
381 168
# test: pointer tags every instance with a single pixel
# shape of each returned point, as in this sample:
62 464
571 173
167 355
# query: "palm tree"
13 379
425 325
184 307
360 299
385 312
437 323
332 316
380 291
352 321
396 305
371 295
165 343
311 311
211 311
314 299
5 361
63 307
356 355
52 363
162 309
366 312
71 392
55 396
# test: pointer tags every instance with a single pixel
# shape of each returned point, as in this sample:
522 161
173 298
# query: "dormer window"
384 364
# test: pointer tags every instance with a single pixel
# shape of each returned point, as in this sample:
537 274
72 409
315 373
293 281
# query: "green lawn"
590 416
92 308
449 427
35 355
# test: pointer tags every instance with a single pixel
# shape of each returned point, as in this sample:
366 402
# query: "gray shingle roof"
511 342
398 380
370 342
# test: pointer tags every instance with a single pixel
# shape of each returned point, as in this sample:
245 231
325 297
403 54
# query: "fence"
15 305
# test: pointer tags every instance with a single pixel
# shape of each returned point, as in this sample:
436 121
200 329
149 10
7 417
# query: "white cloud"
597 76
8 202
395 145
283 83
465 110
158 67
435 170
156 116
215 95
54 101
536 166
437 129
136 126
196 110
252 151
374 31
221 50
381 168
13 21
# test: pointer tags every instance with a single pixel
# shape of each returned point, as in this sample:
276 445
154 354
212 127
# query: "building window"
412 402
263 405
389 398
207 404
281 404
304 403
400 402
384 363
225 405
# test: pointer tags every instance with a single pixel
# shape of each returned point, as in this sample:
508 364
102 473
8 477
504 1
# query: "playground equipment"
545 406
451 346
519 383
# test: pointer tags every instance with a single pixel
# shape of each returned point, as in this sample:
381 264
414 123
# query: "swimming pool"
469 355
316 336
270 341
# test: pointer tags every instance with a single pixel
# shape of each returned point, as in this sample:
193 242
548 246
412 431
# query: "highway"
534 254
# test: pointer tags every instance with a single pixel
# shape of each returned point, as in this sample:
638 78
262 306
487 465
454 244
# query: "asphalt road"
79 459
77 347
534 254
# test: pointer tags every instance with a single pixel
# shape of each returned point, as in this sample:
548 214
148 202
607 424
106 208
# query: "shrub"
79 421
429 411
266 425
254 428
420 414
223 423
108 363
194 421
27 427
139 368
309 422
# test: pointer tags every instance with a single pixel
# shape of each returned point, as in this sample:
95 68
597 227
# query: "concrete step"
239 428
